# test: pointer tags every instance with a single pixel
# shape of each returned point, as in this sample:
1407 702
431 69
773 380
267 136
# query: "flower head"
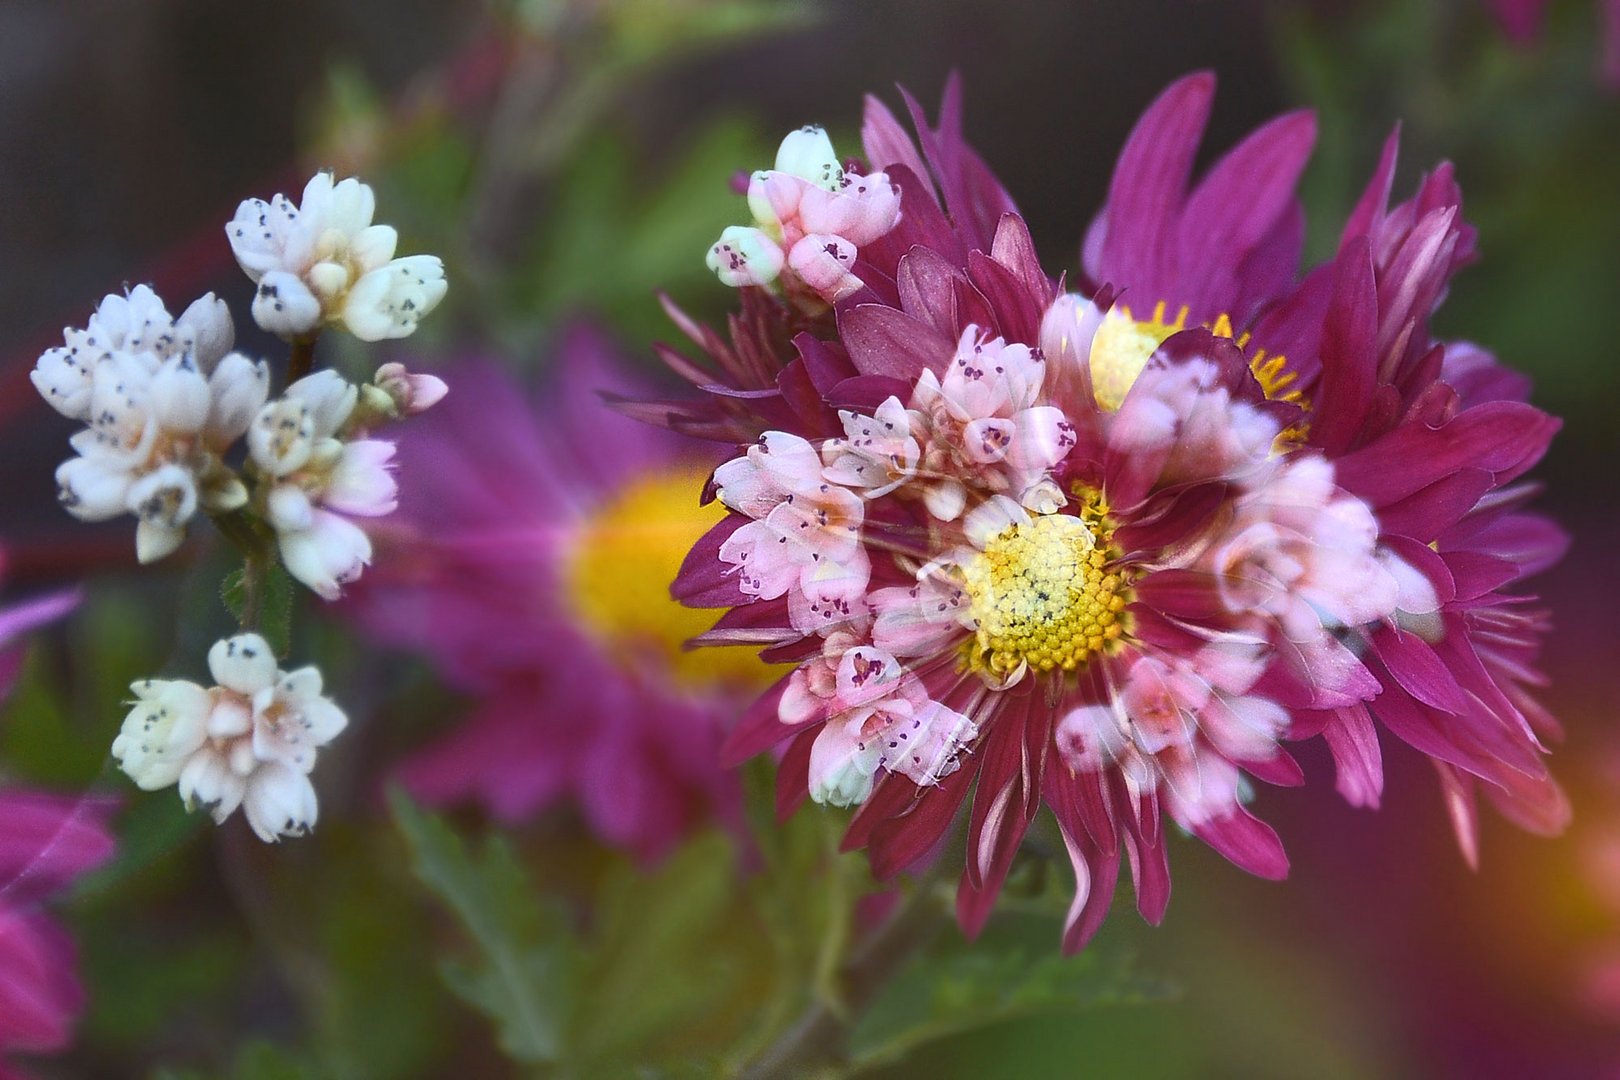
249 741
322 262
1040 548
162 400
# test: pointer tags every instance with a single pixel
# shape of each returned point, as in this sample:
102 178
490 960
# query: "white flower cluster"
811 218
250 741
322 263
165 403
162 399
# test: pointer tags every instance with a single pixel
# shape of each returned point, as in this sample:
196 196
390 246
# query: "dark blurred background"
128 132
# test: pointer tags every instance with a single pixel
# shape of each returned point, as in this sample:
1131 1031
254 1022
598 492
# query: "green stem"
820 1037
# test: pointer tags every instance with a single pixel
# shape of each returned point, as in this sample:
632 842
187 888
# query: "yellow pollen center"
1043 595
617 576
1122 347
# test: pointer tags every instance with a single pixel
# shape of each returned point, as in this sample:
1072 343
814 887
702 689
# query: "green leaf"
675 963
275 603
521 971
1013 972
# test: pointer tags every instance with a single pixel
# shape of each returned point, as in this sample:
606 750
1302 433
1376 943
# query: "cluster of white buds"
249 741
165 403
163 400
811 218
316 472
323 263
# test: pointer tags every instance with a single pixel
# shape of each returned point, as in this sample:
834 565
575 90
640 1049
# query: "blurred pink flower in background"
1522 20
46 842
17 619
533 549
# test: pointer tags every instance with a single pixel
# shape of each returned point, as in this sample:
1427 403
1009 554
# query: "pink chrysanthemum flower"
1031 545
529 560
1521 21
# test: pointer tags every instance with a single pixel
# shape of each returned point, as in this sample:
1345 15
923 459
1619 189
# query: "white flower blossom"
163 399
250 741
317 480
811 218
323 262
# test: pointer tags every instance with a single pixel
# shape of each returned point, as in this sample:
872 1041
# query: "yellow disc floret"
1122 347
618 571
1043 596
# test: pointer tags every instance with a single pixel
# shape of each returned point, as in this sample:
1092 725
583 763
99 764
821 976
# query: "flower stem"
820 1036
302 359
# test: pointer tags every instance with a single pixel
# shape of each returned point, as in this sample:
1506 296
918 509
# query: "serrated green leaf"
525 959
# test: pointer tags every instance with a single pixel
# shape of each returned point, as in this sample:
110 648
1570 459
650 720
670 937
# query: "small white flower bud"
328 281
412 393
207 781
179 396
280 801
289 508
63 380
161 731
373 246
207 324
92 488
238 389
155 540
243 663
809 153
330 553
745 256
389 301
284 305
222 491
330 397
282 436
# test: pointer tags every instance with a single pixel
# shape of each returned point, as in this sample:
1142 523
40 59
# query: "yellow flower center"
618 573
1123 345
1043 595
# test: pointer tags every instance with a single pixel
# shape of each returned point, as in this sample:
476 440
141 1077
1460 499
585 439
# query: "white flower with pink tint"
877 718
987 429
322 262
248 742
410 392
802 542
811 217
313 481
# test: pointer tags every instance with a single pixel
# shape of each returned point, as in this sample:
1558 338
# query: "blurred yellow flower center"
1043 596
622 561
